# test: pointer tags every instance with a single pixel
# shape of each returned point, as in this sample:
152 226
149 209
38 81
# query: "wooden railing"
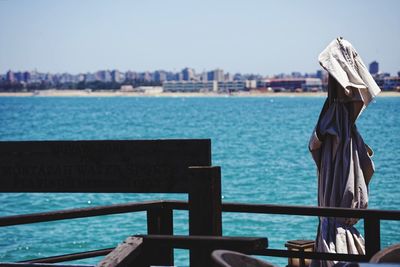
160 222
371 218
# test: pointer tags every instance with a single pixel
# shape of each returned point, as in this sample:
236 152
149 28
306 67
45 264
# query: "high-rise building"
216 75
10 76
160 76
103 75
319 74
130 75
228 77
49 77
80 77
374 67
90 77
116 76
27 76
171 76
34 76
146 76
203 76
178 76
188 74
19 76
66 78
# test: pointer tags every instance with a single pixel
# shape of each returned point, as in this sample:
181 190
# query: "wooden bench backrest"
128 166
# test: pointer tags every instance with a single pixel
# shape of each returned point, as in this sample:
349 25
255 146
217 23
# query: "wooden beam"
124 255
212 242
302 210
205 210
160 222
79 213
372 231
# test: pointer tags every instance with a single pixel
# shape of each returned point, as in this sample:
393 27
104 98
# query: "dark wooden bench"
126 166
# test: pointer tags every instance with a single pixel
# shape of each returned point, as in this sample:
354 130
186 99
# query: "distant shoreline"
81 93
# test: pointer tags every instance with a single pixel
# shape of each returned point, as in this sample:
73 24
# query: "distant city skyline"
258 37
188 72
187 80
219 71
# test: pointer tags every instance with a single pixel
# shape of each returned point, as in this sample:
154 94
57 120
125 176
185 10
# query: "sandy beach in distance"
82 93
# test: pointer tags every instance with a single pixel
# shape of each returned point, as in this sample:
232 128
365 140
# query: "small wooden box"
299 245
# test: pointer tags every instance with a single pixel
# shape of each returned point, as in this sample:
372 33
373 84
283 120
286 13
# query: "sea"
261 144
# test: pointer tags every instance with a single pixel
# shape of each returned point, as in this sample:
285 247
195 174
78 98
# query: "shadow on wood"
226 258
196 243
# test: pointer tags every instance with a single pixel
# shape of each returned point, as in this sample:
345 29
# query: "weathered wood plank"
213 242
135 166
72 256
124 254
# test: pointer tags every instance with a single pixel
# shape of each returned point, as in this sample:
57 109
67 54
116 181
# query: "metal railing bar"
71 257
78 213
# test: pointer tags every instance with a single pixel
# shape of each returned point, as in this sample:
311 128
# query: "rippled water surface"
260 144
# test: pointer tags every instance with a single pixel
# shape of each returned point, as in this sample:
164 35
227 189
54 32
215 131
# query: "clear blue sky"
248 36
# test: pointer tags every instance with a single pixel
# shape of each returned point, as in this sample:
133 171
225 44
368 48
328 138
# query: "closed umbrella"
343 159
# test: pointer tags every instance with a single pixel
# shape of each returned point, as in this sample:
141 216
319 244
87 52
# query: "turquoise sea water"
260 144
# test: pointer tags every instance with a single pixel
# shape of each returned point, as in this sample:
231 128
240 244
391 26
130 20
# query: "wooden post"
160 222
372 236
205 209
